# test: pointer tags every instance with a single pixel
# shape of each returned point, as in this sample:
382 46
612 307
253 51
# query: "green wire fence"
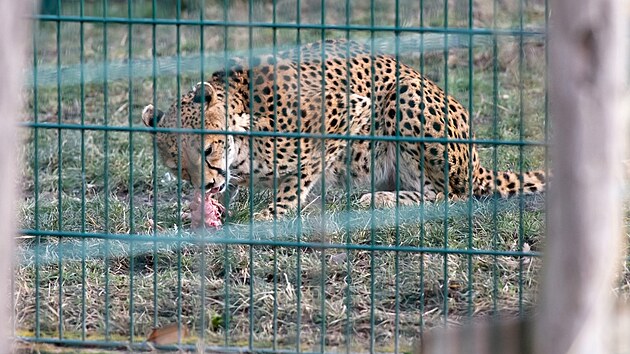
105 254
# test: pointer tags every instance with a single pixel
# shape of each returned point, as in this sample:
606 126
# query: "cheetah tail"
507 182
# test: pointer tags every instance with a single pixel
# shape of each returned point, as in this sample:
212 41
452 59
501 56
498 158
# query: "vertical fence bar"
83 179
131 167
155 193
421 165
154 147
59 176
348 234
202 260
588 78
495 156
397 34
226 250
275 176
322 282
298 250
36 221
445 272
470 244
178 53
106 165
250 49
521 156
14 34
372 183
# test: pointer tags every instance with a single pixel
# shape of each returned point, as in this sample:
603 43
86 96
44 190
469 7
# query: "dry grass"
97 182
396 290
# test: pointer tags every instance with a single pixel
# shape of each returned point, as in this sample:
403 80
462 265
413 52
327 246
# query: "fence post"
14 38
587 72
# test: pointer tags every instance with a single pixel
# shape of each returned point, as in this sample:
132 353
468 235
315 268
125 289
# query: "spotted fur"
285 94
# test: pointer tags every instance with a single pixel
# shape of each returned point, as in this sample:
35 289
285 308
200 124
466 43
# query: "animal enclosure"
106 250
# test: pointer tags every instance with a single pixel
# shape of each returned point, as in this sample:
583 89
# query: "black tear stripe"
218 169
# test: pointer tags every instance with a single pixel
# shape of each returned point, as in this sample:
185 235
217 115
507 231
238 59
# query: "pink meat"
211 212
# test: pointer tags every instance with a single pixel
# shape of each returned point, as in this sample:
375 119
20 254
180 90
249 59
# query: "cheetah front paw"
381 200
439 197
264 215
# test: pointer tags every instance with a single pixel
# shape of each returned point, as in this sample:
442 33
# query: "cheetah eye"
208 151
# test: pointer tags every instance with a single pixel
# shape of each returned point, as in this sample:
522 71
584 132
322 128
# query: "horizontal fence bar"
408 44
143 346
307 26
204 240
392 138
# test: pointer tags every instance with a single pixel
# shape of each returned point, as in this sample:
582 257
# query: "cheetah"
278 109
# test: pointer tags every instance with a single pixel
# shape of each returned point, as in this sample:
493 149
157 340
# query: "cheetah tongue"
212 191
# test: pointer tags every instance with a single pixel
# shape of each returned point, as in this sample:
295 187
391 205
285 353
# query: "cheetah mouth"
215 190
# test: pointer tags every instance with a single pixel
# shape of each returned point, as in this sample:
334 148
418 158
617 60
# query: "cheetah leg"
427 119
413 188
311 164
287 195
387 199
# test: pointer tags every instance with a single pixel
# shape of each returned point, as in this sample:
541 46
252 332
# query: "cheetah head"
204 158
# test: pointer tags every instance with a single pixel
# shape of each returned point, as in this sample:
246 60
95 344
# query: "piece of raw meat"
211 212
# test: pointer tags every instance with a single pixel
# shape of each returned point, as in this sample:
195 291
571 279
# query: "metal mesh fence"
107 251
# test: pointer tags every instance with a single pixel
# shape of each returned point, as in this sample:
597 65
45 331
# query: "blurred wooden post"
14 40
587 72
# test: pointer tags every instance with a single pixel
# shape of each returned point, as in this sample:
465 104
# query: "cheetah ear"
205 91
148 116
